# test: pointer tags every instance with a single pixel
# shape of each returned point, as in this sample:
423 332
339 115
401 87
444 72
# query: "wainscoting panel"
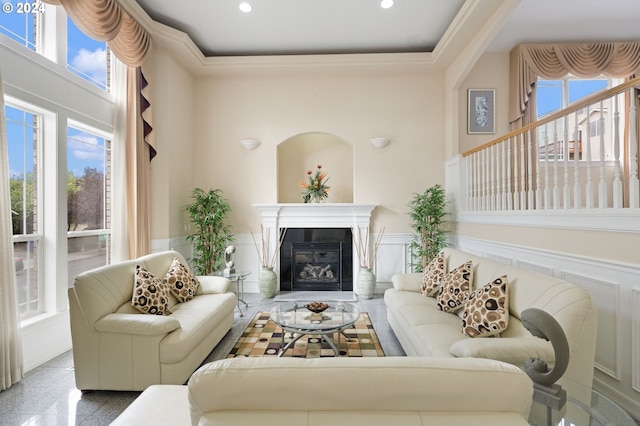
635 338
535 267
393 257
606 297
615 290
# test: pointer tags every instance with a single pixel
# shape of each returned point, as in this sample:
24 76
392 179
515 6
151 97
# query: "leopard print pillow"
486 311
181 282
433 275
150 294
456 286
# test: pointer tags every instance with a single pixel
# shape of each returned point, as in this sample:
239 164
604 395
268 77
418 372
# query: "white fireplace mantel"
322 215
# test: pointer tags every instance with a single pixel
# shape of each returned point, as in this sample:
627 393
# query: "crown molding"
187 53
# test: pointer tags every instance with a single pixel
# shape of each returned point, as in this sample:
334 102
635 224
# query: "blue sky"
86 58
549 99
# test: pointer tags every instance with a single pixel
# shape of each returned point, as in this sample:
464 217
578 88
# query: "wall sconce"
249 144
379 142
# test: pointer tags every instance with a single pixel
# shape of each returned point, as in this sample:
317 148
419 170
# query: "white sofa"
424 330
340 391
116 347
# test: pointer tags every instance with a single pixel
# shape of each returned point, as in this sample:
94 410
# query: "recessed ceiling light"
386 4
245 7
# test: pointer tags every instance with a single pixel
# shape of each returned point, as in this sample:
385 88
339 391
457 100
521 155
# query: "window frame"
38 237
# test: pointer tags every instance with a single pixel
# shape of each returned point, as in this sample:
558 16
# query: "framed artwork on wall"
481 112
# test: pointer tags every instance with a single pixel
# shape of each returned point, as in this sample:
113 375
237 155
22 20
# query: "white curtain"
11 368
119 216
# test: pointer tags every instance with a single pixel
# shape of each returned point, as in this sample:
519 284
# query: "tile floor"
47 395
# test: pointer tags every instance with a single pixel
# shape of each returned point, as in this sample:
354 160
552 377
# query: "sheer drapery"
556 60
11 368
119 210
106 20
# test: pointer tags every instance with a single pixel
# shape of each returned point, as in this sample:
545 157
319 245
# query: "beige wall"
616 246
490 72
405 107
172 168
304 153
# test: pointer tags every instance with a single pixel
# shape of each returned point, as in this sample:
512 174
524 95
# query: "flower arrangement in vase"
316 189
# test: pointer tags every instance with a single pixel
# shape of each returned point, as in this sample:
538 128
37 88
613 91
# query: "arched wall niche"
304 152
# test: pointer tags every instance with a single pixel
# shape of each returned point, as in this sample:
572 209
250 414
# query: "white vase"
267 282
366 283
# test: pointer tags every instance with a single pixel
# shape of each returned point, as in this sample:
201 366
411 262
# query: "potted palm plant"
427 215
207 212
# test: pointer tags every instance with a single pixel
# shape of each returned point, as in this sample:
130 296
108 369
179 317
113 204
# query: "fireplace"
316 259
308 223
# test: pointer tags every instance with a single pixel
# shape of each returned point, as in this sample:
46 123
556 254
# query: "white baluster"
503 172
485 179
634 190
538 200
516 175
556 187
468 165
589 186
501 177
530 172
492 169
577 149
523 172
617 171
546 167
602 184
509 187
566 202
476 200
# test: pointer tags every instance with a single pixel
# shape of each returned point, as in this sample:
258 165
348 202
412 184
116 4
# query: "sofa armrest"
140 324
213 285
407 282
513 350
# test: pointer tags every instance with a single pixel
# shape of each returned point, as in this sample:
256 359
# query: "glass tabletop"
593 410
232 276
295 315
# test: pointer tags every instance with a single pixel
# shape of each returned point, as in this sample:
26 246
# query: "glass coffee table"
300 321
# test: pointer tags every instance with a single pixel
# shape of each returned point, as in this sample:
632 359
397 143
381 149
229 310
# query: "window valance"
106 20
556 60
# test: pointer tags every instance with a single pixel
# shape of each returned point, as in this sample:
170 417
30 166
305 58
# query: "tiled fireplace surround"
275 217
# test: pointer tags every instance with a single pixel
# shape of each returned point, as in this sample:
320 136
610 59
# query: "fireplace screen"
316 266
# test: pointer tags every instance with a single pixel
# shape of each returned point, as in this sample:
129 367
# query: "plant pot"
366 283
267 282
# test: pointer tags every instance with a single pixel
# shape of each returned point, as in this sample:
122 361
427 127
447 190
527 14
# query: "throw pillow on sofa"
150 294
486 311
182 283
433 275
456 286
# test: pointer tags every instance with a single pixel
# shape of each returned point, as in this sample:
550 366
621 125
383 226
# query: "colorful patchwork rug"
263 337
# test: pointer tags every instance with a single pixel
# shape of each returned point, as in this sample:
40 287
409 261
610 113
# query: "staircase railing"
584 157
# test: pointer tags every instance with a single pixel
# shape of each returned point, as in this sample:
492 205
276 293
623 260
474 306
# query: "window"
87 57
19 21
23 137
596 128
553 95
88 200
